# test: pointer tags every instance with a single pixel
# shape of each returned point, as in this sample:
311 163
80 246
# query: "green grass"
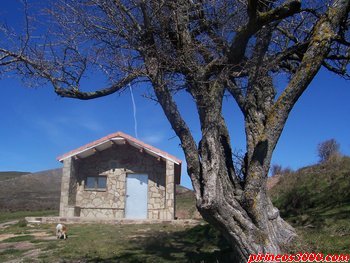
11 252
19 239
323 241
10 216
326 231
131 243
316 201
321 186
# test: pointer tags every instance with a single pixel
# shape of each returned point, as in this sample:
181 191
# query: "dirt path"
31 254
7 224
38 235
31 251
23 245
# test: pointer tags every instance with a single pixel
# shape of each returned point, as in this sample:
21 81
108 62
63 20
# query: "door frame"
126 194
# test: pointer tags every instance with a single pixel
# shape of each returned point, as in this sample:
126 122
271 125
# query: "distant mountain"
10 175
182 189
41 191
30 191
318 187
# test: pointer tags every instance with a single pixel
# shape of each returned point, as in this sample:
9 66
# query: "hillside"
316 200
41 191
186 203
320 186
301 196
23 191
10 175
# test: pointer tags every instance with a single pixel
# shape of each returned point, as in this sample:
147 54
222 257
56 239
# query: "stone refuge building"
119 177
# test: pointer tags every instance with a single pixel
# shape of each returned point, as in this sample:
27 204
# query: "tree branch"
238 46
252 8
324 33
182 131
75 93
122 7
72 91
282 58
20 58
338 71
339 57
286 10
287 34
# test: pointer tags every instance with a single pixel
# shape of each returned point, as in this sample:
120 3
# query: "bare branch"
285 57
252 8
324 33
122 7
339 71
240 42
40 67
74 92
286 10
181 129
338 57
287 34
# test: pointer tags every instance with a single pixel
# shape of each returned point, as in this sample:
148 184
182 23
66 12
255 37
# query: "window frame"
96 183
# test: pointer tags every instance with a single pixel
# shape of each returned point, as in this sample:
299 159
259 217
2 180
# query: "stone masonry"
115 163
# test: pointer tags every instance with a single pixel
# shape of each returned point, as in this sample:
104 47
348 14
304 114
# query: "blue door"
136 196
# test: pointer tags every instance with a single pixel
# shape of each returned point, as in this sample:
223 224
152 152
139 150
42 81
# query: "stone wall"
68 188
170 191
66 173
115 163
72 185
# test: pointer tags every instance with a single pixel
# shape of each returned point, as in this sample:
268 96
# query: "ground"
88 243
21 242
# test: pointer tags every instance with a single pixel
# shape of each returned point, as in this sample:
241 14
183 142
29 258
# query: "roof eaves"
127 137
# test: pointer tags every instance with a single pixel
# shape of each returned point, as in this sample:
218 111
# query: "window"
96 182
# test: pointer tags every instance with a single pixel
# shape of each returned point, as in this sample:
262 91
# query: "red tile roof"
128 138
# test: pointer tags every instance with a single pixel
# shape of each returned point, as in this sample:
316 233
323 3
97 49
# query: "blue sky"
36 125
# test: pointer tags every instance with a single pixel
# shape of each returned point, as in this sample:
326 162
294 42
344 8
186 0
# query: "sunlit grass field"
113 243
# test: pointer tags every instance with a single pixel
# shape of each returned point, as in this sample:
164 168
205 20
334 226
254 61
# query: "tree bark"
242 212
245 216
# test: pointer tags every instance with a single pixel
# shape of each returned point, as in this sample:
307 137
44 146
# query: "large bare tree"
209 49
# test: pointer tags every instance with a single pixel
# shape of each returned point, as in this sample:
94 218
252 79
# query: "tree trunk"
242 211
239 209
248 220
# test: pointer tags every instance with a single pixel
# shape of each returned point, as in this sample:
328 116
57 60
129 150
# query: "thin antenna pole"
134 109
133 102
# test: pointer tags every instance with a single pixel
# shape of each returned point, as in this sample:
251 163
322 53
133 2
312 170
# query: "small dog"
61 231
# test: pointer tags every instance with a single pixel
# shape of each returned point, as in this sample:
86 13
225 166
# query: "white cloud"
90 125
154 138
